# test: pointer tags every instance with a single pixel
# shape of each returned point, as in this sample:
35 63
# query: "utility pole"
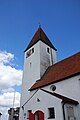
12 111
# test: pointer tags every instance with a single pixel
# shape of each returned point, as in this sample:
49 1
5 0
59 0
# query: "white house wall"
46 101
69 88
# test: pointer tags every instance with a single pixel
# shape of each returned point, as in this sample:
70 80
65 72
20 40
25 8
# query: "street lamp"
12 111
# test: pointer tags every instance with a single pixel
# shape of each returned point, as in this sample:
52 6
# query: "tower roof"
40 35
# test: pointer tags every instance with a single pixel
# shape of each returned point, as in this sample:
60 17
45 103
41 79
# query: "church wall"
47 57
35 64
46 101
31 72
36 60
69 88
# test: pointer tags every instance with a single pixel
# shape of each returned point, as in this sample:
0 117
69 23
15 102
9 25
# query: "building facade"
50 89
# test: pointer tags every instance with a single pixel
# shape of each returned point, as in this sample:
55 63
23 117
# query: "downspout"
63 110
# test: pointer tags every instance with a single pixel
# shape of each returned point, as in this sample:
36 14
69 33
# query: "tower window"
48 50
51 113
32 50
28 53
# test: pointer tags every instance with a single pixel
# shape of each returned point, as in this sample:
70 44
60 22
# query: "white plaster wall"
46 58
69 88
30 73
53 56
34 67
46 101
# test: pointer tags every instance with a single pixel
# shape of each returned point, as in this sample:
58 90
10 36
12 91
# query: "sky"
19 20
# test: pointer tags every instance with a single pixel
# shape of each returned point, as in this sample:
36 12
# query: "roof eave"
63 98
31 89
43 42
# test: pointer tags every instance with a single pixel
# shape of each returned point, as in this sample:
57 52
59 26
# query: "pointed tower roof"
40 35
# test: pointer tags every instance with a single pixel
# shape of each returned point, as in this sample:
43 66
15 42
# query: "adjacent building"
50 89
13 113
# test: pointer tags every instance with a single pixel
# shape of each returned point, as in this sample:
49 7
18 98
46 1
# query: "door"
39 115
31 116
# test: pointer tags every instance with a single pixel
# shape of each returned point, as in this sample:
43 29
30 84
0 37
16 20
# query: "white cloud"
6 102
7 90
6 57
9 77
7 99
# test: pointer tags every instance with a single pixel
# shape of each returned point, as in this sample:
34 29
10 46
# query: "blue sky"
60 19
19 20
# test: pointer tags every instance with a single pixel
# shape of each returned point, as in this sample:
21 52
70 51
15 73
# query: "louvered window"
31 51
48 50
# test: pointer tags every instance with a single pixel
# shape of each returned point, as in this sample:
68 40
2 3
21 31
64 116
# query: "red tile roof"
60 71
40 35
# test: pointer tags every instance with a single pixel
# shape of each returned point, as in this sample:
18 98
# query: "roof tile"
60 71
40 35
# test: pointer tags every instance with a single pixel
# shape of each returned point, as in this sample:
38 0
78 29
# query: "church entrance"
38 115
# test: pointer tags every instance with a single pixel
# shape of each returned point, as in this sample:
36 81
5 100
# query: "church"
50 89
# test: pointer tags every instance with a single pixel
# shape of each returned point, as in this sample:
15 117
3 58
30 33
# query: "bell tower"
38 56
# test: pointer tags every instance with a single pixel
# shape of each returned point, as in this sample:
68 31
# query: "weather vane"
39 25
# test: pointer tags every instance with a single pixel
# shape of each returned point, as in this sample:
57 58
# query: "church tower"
38 56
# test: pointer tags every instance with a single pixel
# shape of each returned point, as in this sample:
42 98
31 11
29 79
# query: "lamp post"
12 111
0 115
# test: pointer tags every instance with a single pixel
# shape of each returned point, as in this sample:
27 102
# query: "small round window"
53 88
